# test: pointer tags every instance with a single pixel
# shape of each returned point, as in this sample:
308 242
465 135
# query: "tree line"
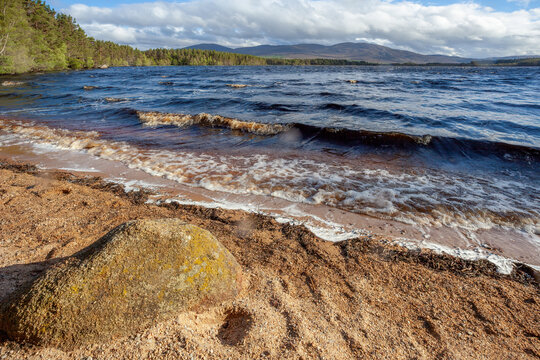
519 62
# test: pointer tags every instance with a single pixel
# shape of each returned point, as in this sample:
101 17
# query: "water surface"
441 146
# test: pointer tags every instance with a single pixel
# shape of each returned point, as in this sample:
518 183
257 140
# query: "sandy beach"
303 298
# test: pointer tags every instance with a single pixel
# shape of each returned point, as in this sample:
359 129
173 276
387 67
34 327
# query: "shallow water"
429 147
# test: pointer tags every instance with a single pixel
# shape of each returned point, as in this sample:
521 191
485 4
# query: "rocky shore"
301 297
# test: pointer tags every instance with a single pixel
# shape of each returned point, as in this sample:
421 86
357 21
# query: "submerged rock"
12 83
352 81
237 86
87 87
141 272
112 99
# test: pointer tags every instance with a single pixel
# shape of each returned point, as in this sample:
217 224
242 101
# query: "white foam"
437 199
331 231
134 185
504 265
421 198
79 169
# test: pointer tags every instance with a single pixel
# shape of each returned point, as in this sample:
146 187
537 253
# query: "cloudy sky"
475 28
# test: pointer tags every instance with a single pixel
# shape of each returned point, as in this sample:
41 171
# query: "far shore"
304 297
345 63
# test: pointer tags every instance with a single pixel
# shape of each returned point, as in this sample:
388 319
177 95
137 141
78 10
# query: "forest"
33 37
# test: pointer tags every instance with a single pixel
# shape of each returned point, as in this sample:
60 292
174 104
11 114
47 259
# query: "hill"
211 47
366 52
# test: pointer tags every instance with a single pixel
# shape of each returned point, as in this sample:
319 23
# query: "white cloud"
124 35
465 29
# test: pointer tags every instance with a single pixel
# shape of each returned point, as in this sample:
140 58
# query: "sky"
471 28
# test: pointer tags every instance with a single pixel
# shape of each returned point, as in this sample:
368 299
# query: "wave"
349 137
154 118
328 94
518 105
263 106
422 197
202 101
358 110
365 137
438 144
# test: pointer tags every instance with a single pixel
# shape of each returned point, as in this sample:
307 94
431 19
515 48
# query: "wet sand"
303 297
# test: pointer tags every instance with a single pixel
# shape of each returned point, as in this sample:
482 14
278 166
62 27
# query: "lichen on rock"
140 272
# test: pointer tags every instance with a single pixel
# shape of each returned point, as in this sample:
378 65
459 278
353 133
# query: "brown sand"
304 298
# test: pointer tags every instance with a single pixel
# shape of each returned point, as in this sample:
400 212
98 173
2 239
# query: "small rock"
112 99
237 86
141 272
12 83
352 81
87 87
104 66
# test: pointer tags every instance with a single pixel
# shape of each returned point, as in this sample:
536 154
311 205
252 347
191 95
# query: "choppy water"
439 146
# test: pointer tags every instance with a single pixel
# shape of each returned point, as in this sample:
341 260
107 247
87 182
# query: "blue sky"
499 5
476 29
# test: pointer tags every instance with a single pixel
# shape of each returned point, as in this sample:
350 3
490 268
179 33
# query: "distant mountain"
345 51
214 47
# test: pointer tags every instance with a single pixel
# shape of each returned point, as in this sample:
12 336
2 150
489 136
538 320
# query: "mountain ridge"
361 51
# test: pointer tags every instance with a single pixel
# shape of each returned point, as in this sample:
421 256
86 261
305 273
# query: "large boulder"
141 272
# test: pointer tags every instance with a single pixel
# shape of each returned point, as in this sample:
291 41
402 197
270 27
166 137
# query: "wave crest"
155 118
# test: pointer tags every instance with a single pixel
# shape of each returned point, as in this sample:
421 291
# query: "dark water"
452 146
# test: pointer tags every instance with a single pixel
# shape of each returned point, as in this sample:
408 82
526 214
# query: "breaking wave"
346 136
154 118
415 195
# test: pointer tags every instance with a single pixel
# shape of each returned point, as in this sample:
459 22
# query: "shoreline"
360 64
304 297
522 272
498 244
502 246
